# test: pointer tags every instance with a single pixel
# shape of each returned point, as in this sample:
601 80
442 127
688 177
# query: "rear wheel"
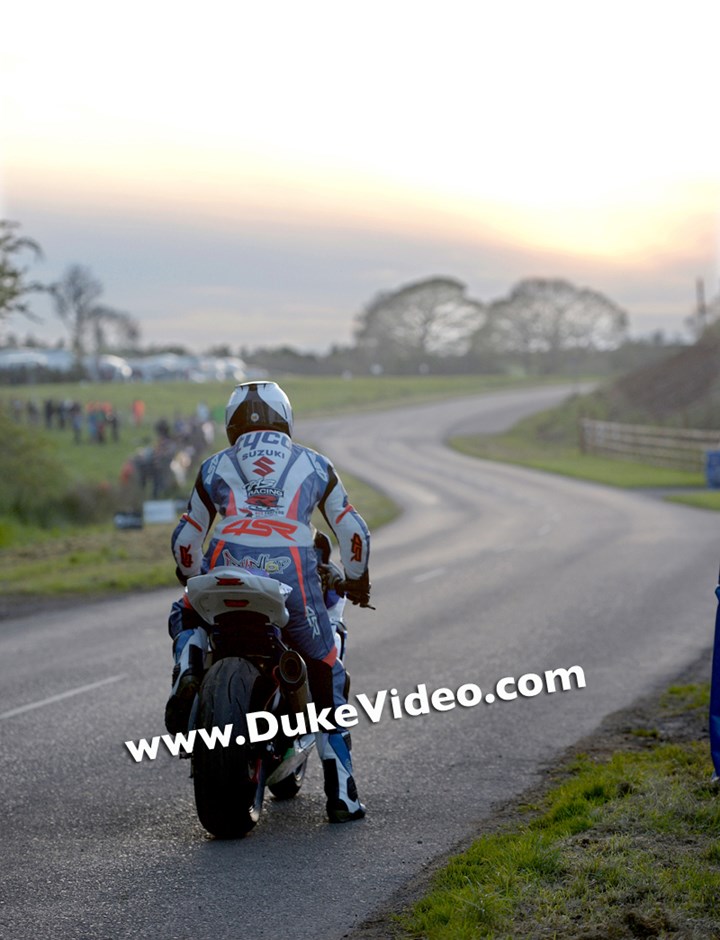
229 781
289 786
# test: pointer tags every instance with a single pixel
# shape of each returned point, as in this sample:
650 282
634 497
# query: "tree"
14 286
75 297
423 319
112 329
220 350
553 316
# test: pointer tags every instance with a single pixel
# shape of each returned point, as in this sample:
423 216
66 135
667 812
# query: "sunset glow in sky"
255 173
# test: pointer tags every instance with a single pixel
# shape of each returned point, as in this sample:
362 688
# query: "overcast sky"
253 173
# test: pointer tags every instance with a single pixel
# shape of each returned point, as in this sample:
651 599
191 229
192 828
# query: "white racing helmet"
255 406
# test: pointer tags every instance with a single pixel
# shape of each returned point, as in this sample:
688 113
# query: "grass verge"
548 441
710 499
624 843
99 560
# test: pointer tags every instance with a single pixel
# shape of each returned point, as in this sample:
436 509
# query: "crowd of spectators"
169 451
95 422
160 468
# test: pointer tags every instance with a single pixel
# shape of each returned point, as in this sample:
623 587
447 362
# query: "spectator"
49 410
75 412
138 412
113 423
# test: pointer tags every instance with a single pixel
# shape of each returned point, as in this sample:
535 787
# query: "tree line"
427 326
435 318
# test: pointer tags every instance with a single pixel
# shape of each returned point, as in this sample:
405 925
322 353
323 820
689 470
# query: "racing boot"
342 804
189 651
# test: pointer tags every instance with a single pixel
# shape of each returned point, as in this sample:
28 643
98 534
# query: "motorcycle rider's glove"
182 578
357 590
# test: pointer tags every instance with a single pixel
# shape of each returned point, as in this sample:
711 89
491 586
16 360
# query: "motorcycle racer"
259 494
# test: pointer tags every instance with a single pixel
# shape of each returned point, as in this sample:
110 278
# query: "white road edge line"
61 695
428 574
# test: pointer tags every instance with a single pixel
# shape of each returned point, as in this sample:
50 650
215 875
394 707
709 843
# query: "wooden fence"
681 448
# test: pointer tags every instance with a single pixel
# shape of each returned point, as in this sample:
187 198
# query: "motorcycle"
249 668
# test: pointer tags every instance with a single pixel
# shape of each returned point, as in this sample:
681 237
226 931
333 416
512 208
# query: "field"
56 483
171 400
310 395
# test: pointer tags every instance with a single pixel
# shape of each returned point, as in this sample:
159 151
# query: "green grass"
549 441
512 448
92 561
100 559
69 479
682 698
710 499
310 395
626 846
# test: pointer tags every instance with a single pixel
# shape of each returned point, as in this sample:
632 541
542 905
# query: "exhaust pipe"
292 673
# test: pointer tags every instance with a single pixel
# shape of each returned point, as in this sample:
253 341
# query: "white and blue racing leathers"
255 500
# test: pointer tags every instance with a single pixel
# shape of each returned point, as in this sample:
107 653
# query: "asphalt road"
491 571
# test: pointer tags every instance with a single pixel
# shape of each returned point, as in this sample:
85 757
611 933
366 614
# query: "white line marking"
62 695
428 574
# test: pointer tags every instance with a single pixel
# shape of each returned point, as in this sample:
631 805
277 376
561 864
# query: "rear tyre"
229 781
289 787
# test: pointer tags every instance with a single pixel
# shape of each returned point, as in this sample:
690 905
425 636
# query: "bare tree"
76 296
422 319
14 286
553 316
113 328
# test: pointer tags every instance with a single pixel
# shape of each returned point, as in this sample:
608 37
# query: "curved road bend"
491 571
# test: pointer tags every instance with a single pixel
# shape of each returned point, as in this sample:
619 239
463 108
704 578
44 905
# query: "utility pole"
701 305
